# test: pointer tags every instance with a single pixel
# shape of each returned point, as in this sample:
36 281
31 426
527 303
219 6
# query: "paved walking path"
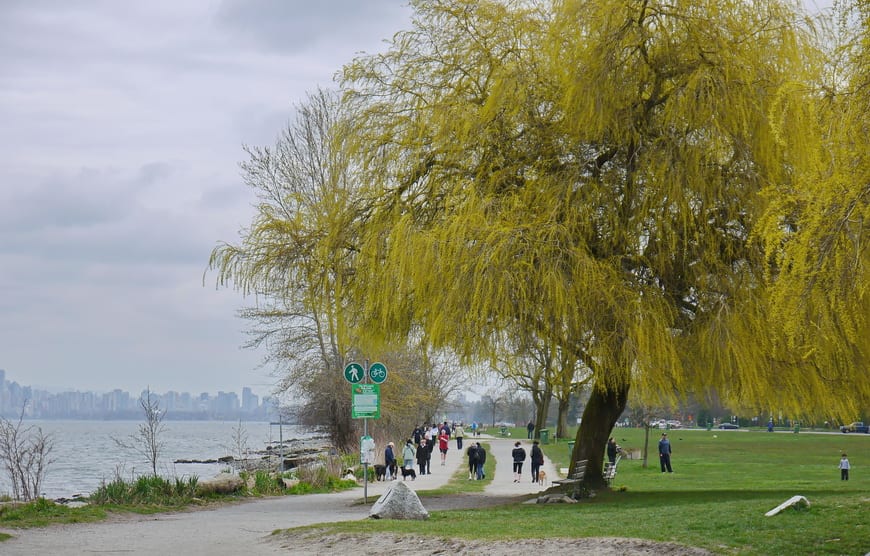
245 528
502 482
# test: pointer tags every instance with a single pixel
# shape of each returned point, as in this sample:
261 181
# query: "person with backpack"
481 460
537 457
519 455
472 461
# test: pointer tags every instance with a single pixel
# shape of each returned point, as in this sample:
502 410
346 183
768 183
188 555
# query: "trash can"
797 428
570 450
545 436
503 431
709 426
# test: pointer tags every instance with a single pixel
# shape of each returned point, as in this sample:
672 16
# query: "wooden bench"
610 470
574 481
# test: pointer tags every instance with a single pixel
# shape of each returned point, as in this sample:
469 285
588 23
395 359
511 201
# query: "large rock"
225 483
399 502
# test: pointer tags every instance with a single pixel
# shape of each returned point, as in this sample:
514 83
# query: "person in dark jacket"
665 453
481 460
422 456
472 461
519 456
612 450
390 462
537 457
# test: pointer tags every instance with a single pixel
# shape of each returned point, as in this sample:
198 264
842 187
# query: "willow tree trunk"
645 443
562 421
601 413
542 408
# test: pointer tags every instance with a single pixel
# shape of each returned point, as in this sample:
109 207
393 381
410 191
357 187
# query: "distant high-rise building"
250 401
4 396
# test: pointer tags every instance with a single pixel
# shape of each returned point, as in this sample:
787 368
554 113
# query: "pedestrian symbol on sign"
353 373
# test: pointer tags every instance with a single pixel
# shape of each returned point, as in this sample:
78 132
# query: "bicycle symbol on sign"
378 372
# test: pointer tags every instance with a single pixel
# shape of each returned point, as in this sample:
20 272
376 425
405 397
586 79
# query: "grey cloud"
298 26
63 202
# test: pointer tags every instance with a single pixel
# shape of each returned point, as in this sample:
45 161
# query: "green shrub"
147 489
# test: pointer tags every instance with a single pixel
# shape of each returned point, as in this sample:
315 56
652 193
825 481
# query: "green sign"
365 401
354 373
378 373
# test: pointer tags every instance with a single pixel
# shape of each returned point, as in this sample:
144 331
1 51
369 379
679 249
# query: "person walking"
459 433
537 457
665 453
472 461
422 456
408 455
443 444
390 462
519 455
844 468
481 461
433 441
612 450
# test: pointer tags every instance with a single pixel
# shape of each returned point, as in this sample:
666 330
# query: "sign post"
365 405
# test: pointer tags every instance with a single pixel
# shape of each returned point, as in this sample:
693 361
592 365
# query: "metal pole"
366 433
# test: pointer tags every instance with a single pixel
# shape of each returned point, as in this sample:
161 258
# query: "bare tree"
25 453
147 440
239 447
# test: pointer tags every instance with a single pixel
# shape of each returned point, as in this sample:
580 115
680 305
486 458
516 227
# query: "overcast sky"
121 131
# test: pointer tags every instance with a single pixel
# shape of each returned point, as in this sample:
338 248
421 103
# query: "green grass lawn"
723 483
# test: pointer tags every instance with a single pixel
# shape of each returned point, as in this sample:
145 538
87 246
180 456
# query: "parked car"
857 426
724 426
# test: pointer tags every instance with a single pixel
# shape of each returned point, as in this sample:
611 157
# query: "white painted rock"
794 501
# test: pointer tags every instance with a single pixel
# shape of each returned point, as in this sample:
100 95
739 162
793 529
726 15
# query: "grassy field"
723 483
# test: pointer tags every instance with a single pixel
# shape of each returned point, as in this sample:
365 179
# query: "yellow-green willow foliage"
586 172
816 231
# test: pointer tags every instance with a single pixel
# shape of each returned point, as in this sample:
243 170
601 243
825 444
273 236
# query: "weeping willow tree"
816 232
587 171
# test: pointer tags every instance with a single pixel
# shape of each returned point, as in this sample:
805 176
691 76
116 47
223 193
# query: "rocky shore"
285 455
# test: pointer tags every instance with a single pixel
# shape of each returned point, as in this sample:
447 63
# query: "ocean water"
85 453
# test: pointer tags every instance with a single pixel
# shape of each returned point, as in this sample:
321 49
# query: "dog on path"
542 477
409 473
380 472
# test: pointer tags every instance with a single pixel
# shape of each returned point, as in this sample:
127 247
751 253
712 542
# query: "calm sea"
85 453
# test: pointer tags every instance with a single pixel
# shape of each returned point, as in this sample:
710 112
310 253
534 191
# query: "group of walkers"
519 457
425 438
476 460
418 449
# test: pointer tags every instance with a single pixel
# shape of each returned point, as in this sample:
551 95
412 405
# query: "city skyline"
122 404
